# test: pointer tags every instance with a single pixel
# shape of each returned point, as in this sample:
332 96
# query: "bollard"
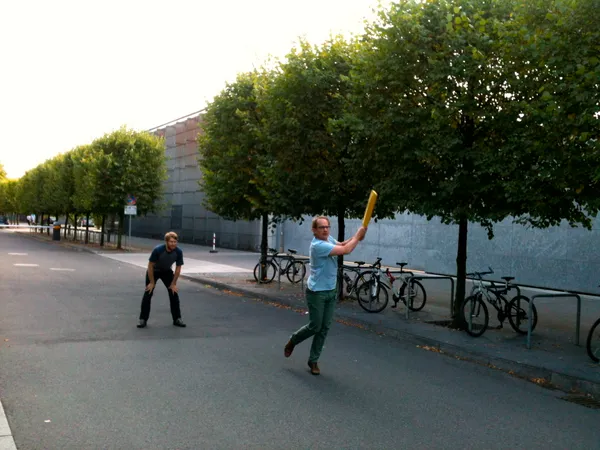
214 250
56 233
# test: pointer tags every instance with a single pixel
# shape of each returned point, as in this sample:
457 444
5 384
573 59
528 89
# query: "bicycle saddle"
508 278
402 264
360 263
293 252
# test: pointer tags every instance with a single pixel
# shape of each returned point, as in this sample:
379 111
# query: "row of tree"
467 110
93 180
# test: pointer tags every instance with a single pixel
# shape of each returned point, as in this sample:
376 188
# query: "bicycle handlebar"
480 274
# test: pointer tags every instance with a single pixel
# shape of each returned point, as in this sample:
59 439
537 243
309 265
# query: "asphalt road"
75 373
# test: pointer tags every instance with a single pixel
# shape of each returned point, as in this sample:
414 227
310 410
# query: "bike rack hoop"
404 271
565 295
441 277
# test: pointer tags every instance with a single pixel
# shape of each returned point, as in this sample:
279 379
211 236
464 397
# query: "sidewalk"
554 360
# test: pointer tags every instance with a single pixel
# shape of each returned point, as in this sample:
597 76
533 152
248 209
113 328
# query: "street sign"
131 210
131 200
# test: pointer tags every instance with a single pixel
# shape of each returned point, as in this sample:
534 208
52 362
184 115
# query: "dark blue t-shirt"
163 260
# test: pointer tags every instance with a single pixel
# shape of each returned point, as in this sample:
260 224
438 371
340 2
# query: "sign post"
130 210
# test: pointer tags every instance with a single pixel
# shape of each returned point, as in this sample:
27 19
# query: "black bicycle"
475 313
281 263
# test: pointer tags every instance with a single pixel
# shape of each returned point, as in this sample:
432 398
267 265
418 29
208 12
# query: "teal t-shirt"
323 268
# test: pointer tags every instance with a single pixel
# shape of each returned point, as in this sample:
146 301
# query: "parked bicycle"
415 297
352 278
282 264
373 295
475 312
593 342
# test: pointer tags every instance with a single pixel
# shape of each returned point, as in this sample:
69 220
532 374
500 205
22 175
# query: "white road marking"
6 440
18 254
26 265
190 265
63 269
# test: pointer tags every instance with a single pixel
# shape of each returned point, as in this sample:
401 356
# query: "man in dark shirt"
159 268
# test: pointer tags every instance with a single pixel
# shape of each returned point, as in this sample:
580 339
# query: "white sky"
72 70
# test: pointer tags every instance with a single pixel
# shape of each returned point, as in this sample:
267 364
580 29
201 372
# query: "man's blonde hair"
171 235
315 221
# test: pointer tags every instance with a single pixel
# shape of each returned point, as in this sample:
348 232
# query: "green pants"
320 313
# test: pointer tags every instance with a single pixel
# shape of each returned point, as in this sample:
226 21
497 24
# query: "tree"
2 172
553 68
435 99
232 154
127 162
84 198
312 146
8 197
316 157
31 192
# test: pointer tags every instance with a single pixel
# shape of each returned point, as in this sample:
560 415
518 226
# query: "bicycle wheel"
268 275
518 309
296 272
415 301
593 342
372 297
475 315
359 279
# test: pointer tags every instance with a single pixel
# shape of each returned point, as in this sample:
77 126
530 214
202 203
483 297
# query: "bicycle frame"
403 276
487 291
360 272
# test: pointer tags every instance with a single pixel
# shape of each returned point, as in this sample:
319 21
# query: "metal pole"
214 247
529 321
578 325
129 241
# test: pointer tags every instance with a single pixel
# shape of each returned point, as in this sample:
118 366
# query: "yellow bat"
370 207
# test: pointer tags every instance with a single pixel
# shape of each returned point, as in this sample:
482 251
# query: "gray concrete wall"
183 211
561 257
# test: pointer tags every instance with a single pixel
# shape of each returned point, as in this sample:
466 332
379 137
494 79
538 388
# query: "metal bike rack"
421 278
305 262
529 321
302 260
282 258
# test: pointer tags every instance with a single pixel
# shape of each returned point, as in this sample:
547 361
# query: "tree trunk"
341 238
87 227
264 245
111 229
102 230
41 223
66 225
74 227
461 272
120 233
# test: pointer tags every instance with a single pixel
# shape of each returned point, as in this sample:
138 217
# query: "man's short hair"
171 235
315 221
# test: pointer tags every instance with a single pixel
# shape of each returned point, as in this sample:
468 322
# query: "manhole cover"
588 402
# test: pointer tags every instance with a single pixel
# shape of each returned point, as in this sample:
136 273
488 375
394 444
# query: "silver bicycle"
475 312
